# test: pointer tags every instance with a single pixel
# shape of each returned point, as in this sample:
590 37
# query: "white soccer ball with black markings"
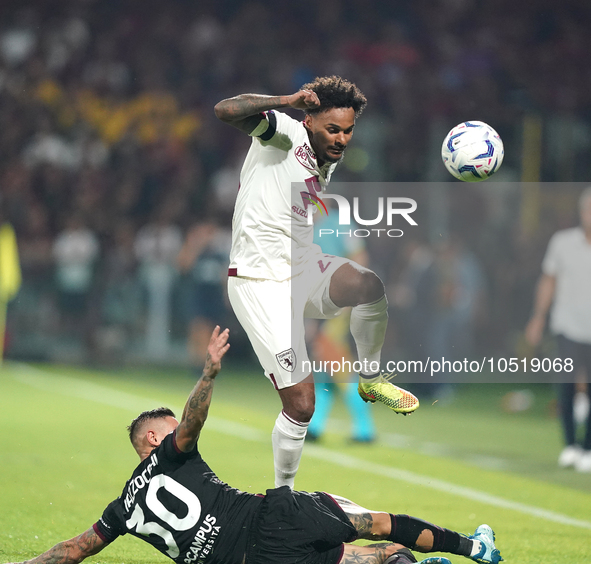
472 151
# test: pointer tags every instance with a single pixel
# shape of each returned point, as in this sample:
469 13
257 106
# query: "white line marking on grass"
440 485
68 386
131 402
339 427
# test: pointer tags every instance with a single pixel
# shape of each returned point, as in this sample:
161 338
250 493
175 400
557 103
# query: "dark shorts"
298 528
207 301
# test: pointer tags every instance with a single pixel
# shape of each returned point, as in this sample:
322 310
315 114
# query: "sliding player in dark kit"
175 502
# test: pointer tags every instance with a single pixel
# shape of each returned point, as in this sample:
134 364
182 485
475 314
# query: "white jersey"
271 238
568 259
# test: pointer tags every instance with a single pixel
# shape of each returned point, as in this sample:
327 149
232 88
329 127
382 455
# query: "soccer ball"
472 151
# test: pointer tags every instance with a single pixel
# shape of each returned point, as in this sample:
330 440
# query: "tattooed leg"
371 525
411 532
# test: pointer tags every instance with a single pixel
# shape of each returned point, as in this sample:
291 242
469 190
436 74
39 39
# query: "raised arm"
71 551
245 111
197 406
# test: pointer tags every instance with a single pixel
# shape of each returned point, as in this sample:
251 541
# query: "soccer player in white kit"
277 275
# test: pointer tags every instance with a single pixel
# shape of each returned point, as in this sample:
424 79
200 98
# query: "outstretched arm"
244 111
71 551
197 406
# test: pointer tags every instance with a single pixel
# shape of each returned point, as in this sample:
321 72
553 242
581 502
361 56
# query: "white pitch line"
82 389
108 396
440 485
50 382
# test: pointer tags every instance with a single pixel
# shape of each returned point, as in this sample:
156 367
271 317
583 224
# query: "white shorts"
272 314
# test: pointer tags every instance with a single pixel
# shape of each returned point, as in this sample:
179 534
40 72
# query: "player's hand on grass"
304 100
218 346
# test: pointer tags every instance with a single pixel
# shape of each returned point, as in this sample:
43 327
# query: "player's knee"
298 401
370 287
382 524
353 285
300 409
305 412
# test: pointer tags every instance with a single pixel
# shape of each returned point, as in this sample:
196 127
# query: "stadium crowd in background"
107 116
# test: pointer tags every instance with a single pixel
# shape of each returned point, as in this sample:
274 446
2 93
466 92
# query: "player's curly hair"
157 413
336 92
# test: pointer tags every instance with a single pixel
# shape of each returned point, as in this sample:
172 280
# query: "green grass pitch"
65 455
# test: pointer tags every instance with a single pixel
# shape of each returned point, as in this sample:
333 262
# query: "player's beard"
323 157
331 159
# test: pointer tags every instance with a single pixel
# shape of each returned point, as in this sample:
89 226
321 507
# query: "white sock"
368 327
476 547
288 442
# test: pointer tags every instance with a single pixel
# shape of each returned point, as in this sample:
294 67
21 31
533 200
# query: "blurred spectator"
459 294
329 341
441 295
225 183
157 245
414 296
204 257
75 251
565 285
18 41
121 303
36 243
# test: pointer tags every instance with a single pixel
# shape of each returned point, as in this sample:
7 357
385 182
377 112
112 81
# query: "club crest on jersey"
287 359
305 156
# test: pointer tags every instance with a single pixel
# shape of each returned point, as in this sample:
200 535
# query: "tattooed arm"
72 551
372 553
244 111
197 406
